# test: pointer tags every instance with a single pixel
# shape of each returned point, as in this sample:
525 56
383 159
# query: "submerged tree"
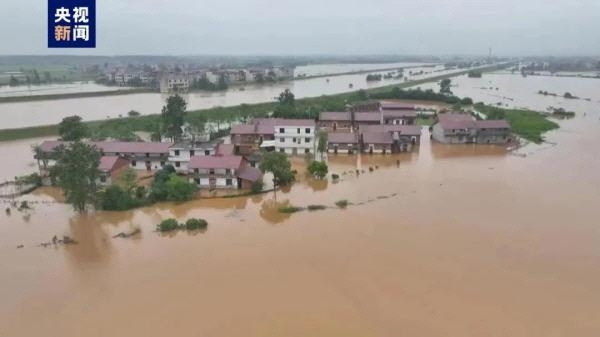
76 171
278 164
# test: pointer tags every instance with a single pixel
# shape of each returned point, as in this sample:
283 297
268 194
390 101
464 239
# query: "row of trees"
203 83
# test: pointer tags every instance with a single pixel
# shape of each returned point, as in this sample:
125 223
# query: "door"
148 166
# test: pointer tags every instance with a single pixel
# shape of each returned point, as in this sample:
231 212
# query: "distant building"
343 142
174 83
456 128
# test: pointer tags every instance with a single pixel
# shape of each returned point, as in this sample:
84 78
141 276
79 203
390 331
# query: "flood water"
455 241
35 113
54 89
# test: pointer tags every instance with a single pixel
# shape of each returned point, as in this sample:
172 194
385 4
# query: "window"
118 154
211 171
281 130
196 171
162 163
177 164
306 150
294 140
307 130
102 179
298 130
227 171
197 181
133 163
228 182
282 140
307 140
192 153
177 152
281 150
207 153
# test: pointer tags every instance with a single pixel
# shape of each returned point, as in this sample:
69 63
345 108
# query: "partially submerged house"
454 128
111 168
343 142
213 172
295 136
181 153
247 138
336 120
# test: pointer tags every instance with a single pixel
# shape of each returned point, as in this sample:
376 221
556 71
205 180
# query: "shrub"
193 224
318 169
257 187
342 203
133 113
316 207
167 225
115 198
335 176
30 179
290 209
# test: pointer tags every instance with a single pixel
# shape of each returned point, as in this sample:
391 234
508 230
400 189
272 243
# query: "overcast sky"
440 27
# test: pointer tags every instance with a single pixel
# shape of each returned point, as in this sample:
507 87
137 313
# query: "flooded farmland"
454 241
35 113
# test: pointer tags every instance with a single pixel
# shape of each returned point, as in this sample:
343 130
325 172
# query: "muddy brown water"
455 241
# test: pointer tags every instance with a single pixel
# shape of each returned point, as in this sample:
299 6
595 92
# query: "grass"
342 203
316 207
30 132
527 124
29 98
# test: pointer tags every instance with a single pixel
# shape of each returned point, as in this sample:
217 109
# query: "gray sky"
511 27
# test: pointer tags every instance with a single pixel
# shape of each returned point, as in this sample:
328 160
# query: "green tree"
286 97
76 171
322 142
179 189
445 86
197 123
173 116
318 169
72 129
128 179
115 198
278 164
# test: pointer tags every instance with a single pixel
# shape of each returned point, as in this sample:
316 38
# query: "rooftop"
249 173
334 116
377 138
456 121
342 137
493 124
215 162
387 105
399 114
114 147
107 163
371 116
411 130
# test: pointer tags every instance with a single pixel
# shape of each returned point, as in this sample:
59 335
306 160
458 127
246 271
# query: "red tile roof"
249 173
456 121
215 162
294 122
377 138
224 150
412 130
342 137
399 114
493 124
114 147
107 163
334 116
374 116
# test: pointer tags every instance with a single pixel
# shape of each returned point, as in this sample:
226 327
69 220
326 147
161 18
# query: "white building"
180 154
295 136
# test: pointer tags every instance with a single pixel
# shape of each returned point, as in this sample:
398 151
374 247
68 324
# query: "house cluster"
209 165
291 136
181 81
372 127
381 128
454 128
132 76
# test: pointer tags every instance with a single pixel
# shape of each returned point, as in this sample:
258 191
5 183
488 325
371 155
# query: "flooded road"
35 113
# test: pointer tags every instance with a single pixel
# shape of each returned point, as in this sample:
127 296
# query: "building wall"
295 139
438 133
377 148
342 148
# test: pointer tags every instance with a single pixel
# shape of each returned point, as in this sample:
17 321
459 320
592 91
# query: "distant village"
178 79
371 128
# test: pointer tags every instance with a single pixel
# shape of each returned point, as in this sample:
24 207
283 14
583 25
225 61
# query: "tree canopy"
445 86
173 116
278 164
72 129
76 171
318 169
